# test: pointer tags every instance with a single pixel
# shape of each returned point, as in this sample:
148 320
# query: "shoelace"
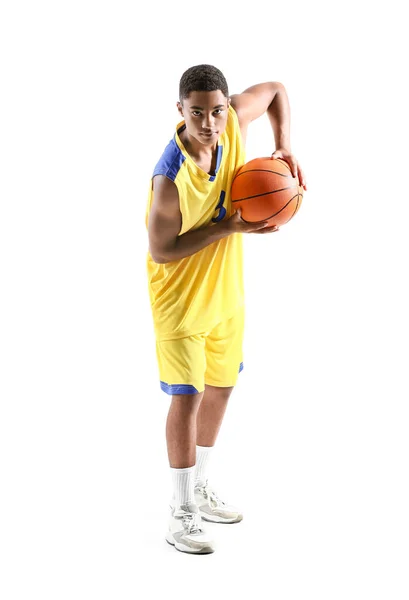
209 493
192 522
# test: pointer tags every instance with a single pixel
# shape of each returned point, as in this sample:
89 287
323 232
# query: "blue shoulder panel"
170 161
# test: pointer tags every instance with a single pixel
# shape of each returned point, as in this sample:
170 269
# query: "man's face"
205 115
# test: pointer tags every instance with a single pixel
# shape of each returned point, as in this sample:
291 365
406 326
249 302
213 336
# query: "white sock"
202 462
183 485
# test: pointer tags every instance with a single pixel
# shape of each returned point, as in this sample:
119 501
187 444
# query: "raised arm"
270 98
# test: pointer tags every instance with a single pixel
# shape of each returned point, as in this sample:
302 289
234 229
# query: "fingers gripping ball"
265 189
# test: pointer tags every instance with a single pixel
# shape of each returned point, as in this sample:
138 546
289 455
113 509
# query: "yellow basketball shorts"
214 358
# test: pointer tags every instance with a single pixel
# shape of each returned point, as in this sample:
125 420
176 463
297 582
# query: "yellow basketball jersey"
193 294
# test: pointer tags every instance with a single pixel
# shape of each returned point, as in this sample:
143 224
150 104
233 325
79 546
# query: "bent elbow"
158 258
162 255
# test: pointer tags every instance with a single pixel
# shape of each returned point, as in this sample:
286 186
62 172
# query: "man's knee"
187 402
222 393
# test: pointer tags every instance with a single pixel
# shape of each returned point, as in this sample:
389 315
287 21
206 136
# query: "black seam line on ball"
275 214
290 187
263 171
296 208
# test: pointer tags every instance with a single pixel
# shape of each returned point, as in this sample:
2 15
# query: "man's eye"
196 113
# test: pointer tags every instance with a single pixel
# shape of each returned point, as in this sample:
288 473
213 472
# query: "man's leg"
223 364
181 430
185 529
223 346
210 414
209 419
182 365
181 443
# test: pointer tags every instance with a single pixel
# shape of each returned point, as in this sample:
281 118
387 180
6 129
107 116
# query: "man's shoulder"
170 162
233 110
233 130
233 121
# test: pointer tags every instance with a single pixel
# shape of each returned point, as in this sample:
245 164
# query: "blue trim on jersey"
218 162
170 162
178 388
241 367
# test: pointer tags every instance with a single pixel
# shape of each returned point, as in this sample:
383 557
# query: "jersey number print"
221 208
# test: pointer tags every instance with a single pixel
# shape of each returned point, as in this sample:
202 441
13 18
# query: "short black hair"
202 78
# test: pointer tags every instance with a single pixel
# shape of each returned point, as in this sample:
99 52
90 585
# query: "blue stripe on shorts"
178 388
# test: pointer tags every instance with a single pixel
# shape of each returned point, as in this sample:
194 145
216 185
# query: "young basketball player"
195 278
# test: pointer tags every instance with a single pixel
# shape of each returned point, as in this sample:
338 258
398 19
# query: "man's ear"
180 107
228 101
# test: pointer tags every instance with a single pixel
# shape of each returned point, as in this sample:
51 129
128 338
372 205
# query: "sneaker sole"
182 548
217 519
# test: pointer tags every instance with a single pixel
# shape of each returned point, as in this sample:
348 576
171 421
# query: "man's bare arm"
270 98
165 223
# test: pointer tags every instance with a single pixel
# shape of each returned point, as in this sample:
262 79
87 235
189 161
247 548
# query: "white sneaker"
186 531
212 509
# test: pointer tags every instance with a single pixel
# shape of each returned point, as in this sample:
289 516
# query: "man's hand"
271 229
292 163
237 225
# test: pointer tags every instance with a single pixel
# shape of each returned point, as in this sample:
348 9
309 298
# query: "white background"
314 445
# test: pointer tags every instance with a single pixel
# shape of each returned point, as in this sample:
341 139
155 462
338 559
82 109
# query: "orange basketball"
265 189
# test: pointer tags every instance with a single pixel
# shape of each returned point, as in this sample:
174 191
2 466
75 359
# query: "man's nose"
208 122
